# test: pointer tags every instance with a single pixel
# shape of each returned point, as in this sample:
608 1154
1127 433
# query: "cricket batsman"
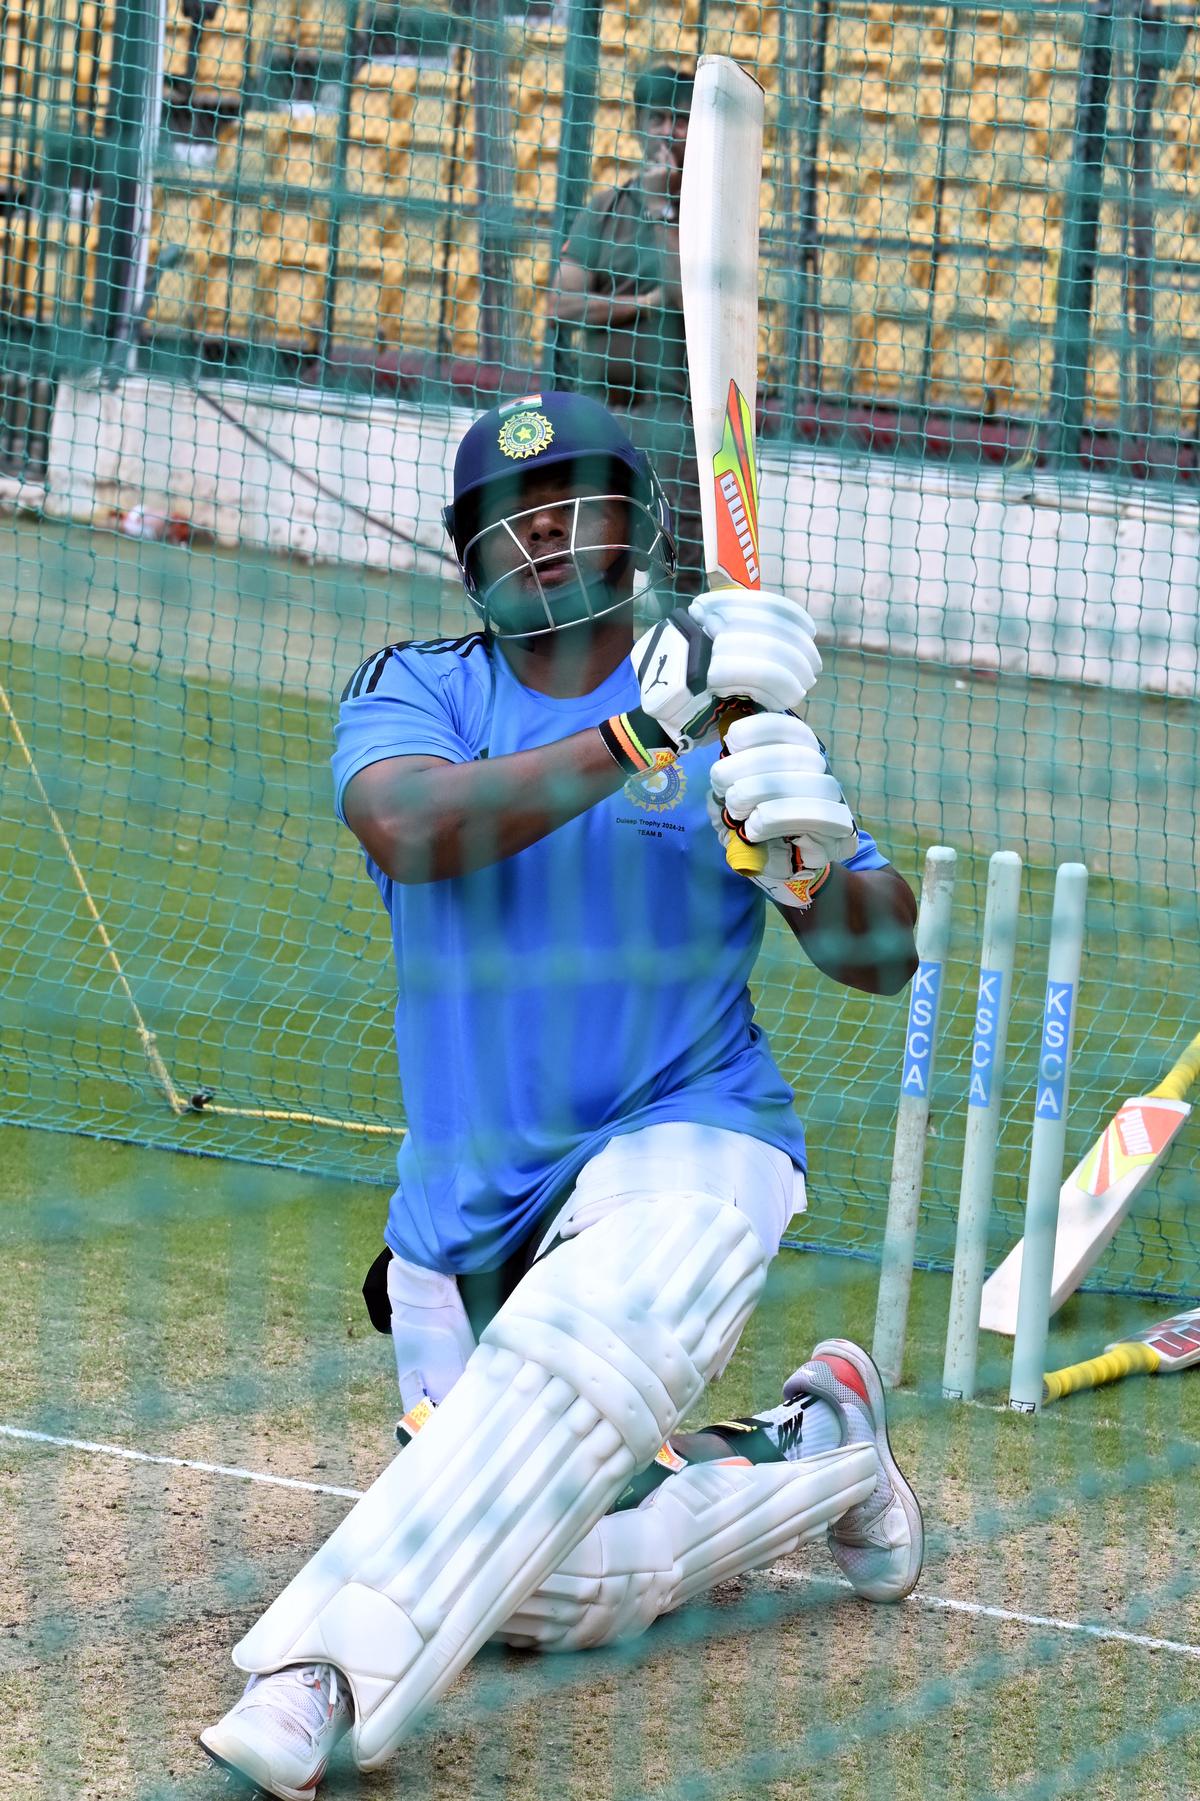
602 1156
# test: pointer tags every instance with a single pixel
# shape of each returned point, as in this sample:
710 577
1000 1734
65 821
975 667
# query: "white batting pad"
585 1370
704 1525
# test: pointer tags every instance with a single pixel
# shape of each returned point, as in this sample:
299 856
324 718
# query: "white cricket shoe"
280 1733
880 1544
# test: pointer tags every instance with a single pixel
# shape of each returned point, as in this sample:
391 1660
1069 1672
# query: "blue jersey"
590 985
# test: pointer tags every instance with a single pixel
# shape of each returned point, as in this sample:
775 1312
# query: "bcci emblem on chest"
658 791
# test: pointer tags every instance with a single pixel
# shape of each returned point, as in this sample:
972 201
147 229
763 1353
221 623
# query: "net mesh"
979 386
260 266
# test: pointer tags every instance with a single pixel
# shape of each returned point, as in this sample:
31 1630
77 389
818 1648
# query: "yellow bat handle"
1175 1085
745 859
742 858
1133 1359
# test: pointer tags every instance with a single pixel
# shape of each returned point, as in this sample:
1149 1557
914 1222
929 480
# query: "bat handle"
1175 1085
1131 1359
742 857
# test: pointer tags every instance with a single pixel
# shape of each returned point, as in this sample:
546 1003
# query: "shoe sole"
877 1401
253 1785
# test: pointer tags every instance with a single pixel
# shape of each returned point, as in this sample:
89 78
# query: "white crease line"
1063 1419
936 1603
944 1604
178 1463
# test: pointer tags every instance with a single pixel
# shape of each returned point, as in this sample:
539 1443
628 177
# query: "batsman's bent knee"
585 1370
704 1525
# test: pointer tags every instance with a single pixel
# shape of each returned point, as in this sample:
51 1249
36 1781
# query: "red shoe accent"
848 1375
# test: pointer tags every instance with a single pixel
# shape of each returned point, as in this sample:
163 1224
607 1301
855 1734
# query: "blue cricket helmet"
540 431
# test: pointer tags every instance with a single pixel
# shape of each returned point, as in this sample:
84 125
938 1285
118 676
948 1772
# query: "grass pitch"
205 1311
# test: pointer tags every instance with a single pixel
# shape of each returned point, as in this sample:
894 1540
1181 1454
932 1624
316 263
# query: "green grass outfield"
207 1312
178 707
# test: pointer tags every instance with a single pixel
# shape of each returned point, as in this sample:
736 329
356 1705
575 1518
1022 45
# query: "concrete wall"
1075 582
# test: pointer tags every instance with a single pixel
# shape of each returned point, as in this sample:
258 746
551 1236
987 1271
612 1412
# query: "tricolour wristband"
636 742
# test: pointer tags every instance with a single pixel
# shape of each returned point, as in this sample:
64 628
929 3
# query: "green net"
260 266
978 393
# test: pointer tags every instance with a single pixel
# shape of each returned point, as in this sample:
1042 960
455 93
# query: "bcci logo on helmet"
525 434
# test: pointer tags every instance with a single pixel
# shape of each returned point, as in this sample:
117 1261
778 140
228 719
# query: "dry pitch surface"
197 1310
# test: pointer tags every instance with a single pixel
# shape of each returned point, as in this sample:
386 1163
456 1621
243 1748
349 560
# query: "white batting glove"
783 877
734 644
773 782
763 646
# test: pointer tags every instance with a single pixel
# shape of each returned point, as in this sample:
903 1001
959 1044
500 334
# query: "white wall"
1076 581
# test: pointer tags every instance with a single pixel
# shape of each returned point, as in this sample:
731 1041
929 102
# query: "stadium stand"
317 174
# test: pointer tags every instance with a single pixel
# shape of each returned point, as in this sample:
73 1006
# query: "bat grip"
1176 1083
742 857
1123 1360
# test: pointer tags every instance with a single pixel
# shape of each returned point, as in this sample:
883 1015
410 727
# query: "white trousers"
431 1335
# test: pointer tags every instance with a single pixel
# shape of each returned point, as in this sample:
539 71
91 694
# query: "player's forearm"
451 818
859 929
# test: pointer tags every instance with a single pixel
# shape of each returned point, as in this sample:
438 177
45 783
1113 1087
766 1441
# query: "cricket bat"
1097 1195
718 265
1172 1344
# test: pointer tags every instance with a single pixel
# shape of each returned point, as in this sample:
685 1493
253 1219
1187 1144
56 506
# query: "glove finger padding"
758 729
792 802
774 673
775 782
743 606
822 832
742 768
763 646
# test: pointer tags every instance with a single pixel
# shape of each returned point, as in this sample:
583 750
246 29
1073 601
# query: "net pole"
494 183
131 131
338 197
1075 285
581 75
985 1094
1049 1138
912 1122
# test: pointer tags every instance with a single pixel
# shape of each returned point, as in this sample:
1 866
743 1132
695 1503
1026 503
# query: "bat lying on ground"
1173 1344
1096 1196
718 265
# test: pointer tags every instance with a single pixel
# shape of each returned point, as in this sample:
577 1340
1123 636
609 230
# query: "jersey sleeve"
868 855
395 705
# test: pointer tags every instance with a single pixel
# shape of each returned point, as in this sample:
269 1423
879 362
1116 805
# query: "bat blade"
1093 1201
1176 1340
718 256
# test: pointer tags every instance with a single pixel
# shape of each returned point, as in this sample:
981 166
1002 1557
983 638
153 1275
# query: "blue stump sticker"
1056 1048
922 1029
983 1046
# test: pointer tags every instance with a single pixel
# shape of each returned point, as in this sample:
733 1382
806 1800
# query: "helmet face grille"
582 574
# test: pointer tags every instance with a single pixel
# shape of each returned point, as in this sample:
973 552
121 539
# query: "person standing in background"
618 288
